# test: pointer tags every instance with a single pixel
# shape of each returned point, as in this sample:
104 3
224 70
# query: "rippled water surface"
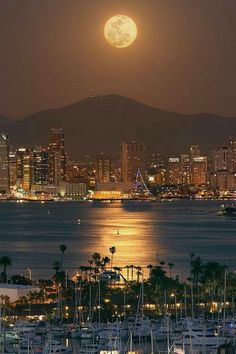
31 233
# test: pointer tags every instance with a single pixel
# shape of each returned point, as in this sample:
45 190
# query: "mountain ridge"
100 123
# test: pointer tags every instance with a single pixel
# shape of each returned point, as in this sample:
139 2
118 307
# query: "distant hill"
100 123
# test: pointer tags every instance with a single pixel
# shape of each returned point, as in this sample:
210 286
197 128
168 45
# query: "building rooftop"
16 286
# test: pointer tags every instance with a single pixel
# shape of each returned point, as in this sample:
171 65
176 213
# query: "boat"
109 276
89 348
200 339
228 210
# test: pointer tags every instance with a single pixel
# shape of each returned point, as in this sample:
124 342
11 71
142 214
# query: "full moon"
120 31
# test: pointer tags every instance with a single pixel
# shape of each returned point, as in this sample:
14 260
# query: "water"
31 233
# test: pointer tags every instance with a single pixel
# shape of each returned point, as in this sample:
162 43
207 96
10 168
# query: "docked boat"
228 210
200 339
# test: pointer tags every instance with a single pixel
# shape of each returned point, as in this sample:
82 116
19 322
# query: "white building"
15 292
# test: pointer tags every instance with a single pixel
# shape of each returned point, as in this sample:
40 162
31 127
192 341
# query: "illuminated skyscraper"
199 170
185 169
232 146
24 168
173 172
132 160
40 166
4 164
222 159
57 157
73 172
12 169
103 169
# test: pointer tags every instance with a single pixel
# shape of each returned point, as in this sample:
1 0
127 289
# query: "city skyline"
49 169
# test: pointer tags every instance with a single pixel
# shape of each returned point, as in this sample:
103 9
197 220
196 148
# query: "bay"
143 233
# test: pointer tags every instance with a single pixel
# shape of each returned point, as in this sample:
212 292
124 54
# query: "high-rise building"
232 146
103 169
57 157
185 169
223 181
199 170
24 168
222 161
173 172
4 164
40 166
132 160
12 169
73 172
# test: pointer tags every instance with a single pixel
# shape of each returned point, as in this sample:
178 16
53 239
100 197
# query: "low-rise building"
15 292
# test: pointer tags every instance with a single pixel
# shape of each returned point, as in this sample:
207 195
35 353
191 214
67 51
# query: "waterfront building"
40 166
232 146
73 190
57 157
222 159
185 169
103 169
222 176
4 164
24 168
199 170
91 181
223 181
15 292
12 169
73 174
132 160
173 173
121 187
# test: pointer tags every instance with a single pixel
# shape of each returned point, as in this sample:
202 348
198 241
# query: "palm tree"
97 259
139 272
105 260
5 262
170 265
132 271
112 250
196 269
56 266
83 271
63 249
90 269
150 266
127 271
162 263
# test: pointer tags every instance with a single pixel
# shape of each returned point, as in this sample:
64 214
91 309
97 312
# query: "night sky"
53 53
